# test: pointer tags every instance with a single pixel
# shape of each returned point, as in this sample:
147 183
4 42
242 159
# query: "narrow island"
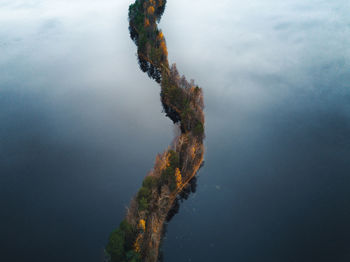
139 235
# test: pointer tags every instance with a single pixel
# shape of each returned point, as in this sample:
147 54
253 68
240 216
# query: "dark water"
275 186
81 125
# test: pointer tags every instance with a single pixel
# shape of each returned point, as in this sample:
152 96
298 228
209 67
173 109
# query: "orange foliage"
137 247
146 22
167 161
142 224
163 47
178 178
193 153
161 163
150 10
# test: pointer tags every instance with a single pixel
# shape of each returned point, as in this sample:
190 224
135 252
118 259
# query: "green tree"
143 204
115 246
133 256
149 182
173 159
120 241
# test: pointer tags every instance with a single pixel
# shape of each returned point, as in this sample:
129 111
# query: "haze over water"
81 124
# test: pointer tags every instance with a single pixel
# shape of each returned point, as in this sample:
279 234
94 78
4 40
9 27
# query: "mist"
275 79
81 124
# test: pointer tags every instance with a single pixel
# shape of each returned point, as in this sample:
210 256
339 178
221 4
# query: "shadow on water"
191 188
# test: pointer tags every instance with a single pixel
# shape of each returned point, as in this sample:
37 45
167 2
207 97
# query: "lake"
81 126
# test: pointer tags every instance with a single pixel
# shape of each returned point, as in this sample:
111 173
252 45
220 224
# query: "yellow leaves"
142 224
163 47
150 10
178 178
146 22
193 153
167 160
137 243
137 247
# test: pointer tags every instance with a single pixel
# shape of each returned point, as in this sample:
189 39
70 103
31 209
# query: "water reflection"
184 195
73 125
275 78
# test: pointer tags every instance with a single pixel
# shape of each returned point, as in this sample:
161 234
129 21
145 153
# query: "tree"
173 159
144 192
120 241
146 22
149 182
150 10
178 178
142 224
133 256
129 234
115 246
143 204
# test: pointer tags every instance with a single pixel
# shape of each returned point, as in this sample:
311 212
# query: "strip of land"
139 236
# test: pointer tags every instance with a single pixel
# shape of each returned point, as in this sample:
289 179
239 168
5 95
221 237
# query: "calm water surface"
81 125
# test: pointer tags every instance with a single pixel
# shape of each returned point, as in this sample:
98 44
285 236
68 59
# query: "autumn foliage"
147 22
150 10
137 239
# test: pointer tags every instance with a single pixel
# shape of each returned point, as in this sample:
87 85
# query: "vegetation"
120 244
143 198
183 103
151 47
149 182
179 97
168 174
